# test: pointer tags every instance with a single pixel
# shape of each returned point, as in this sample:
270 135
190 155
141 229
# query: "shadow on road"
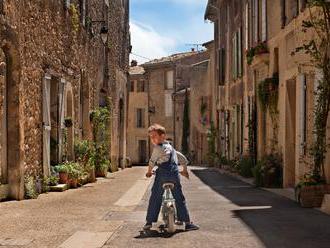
277 221
156 234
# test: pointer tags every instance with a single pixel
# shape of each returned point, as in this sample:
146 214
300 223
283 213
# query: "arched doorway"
12 169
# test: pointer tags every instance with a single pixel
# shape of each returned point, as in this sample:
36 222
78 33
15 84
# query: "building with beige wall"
137 125
166 76
240 26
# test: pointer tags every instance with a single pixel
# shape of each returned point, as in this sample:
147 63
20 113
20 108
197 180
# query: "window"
132 86
222 66
82 5
255 16
169 80
141 86
168 105
264 20
237 64
246 27
140 118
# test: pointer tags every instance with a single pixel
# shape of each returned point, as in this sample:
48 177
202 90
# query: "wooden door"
46 125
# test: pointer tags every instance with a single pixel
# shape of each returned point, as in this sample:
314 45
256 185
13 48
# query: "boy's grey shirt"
161 153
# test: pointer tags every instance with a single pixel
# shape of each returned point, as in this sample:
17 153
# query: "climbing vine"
268 98
319 50
74 17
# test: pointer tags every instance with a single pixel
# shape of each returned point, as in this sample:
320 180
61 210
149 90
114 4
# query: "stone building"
273 27
54 65
137 126
165 77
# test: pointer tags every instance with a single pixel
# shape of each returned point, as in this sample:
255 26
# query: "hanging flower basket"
68 122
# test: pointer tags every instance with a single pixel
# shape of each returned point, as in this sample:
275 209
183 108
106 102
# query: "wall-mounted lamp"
103 32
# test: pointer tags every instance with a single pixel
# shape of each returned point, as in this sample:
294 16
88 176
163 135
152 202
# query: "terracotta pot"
100 173
92 177
312 196
63 177
73 183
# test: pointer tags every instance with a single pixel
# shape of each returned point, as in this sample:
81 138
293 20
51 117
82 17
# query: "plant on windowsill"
260 48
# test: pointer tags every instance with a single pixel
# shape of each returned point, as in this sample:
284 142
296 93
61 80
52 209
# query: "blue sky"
162 27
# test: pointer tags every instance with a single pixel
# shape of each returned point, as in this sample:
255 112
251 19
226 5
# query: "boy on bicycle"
166 158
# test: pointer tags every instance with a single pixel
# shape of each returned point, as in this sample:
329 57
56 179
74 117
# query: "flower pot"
63 177
74 183
92 177
100 173
312 196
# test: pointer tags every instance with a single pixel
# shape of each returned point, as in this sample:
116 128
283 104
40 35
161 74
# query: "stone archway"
70 115
14 170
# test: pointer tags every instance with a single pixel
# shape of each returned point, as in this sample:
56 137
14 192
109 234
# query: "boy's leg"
180 202
155 201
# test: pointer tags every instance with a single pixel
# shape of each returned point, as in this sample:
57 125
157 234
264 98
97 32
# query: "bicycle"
168 209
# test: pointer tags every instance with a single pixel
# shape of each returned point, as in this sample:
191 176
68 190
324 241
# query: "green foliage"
212 135
318 48
74 170
74 17
253 51
268 172
185 126
30 188
61 168
245 166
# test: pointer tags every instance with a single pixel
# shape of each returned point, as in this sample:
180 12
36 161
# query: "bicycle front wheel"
171 220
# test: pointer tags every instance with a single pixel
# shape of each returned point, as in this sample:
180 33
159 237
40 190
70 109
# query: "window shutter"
256 20
283 13
239 64
264 20
246 29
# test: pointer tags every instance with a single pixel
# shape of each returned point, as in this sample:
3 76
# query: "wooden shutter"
46 125
264 20
302 113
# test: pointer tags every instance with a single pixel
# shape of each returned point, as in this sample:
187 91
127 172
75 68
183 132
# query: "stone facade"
239 26
166 77
53 65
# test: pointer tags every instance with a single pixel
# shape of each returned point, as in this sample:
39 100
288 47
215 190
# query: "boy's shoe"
147 226
179 223
191 226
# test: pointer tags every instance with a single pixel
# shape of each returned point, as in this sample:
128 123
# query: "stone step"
59 188
326 204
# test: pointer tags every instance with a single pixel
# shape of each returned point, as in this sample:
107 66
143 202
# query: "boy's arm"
183 161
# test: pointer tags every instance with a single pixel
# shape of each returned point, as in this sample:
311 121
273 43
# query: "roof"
208 44
171 58
204 62
211 10
135 70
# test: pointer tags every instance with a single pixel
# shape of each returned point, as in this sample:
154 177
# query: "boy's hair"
157 128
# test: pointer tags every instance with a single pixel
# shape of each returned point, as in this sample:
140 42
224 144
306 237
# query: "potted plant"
62 170
74 174
102 168
310 190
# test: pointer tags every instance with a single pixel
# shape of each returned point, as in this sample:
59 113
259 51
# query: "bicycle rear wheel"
171 220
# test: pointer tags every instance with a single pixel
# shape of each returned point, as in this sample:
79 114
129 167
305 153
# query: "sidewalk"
54 218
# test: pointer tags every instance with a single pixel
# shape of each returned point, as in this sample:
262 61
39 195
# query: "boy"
166 158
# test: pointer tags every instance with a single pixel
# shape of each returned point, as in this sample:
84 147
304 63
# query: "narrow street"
111 213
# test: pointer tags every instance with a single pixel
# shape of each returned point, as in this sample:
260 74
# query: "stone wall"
43 38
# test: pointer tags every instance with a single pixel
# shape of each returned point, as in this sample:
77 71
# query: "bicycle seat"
170 185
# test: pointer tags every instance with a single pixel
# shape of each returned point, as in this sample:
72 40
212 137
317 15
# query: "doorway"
142 151
290 134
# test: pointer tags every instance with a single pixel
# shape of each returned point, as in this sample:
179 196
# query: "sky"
162 27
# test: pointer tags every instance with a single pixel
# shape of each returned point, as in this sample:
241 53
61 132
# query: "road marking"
87 240
135 194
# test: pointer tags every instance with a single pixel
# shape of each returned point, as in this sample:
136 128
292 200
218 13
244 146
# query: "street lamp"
103 32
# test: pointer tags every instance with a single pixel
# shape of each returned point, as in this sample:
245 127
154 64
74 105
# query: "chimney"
134 63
